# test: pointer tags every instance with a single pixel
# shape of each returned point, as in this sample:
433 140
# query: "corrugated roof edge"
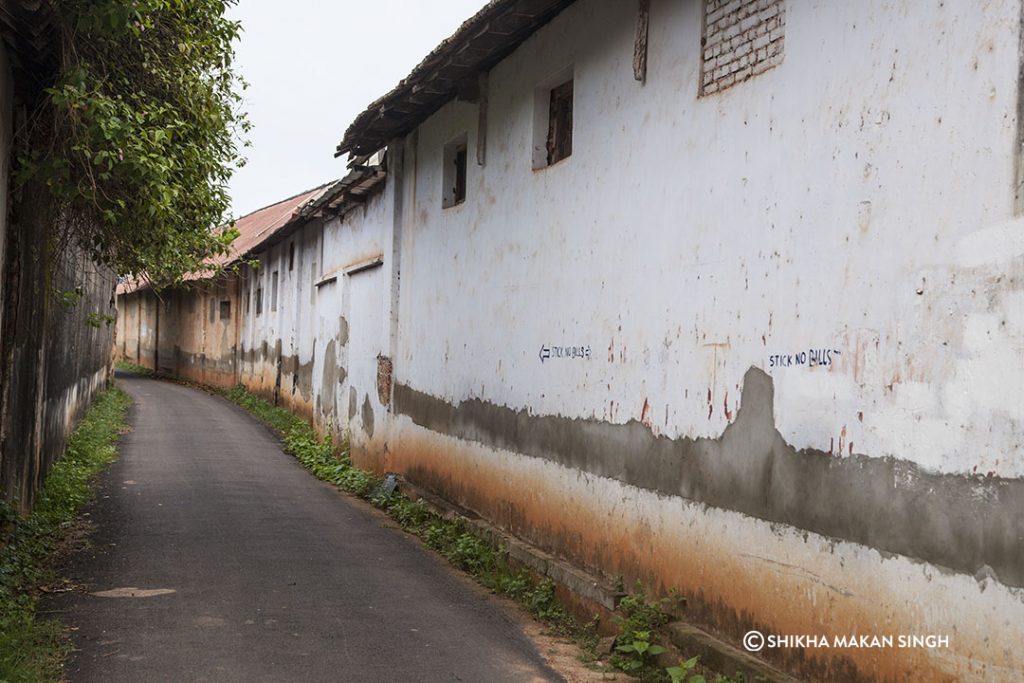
480 42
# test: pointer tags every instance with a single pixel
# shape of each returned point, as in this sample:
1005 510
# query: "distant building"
720 296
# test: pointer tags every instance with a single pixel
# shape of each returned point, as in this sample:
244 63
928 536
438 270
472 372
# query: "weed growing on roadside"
486 562
637 650
681 672
32 649
135 369
450 538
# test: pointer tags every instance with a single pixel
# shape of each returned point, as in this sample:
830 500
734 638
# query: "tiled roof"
253 230
452 69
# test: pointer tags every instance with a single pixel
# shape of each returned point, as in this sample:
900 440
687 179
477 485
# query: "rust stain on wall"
723 591
961 522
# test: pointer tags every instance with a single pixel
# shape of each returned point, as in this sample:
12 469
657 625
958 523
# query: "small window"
559 144
225 309
259 300
248 298
454 172
291 257
552 119
213 309
273 292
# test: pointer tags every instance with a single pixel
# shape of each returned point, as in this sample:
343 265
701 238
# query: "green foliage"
459 545
32 649
136 369
411 514
681 673
543 602
636 649
317 455
98 320
638 619
639 615
138 134
71 298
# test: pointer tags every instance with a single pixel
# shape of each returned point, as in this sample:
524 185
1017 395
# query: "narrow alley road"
256 571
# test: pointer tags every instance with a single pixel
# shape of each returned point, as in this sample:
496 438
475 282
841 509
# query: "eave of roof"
354 189
452 67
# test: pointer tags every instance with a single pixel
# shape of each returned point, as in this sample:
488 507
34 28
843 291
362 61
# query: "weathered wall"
278 343
203 324
317 350
6 139
762 345
55 344
190 331
296 346
135 336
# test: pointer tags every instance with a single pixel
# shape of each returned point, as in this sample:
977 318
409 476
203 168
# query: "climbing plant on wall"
139 132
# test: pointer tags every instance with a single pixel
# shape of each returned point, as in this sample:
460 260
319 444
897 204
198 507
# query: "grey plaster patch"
328 379
342 331
956 521
367 415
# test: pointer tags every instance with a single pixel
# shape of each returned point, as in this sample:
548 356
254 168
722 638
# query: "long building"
721 296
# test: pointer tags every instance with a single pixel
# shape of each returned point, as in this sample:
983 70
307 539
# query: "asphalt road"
253 570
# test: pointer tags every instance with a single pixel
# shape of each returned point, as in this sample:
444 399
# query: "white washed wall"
803 209
856 201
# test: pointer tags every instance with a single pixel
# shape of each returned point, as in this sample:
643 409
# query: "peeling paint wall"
762 345
296 346
190 331
316 353
299 352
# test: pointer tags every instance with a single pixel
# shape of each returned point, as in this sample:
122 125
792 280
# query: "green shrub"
33 649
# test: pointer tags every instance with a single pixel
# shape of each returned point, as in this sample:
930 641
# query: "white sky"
312 66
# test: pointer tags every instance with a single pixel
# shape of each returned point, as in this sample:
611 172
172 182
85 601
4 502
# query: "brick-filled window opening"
741 39
273 291
213 309
248 301
454 175
559 140
225 309
259 300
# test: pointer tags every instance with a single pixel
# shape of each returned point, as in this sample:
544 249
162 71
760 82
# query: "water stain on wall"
971 524
367 415
353 402
329 406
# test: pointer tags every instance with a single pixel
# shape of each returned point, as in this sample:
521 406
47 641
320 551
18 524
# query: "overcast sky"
312 67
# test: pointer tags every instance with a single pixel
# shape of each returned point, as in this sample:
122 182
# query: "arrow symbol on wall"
544 354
